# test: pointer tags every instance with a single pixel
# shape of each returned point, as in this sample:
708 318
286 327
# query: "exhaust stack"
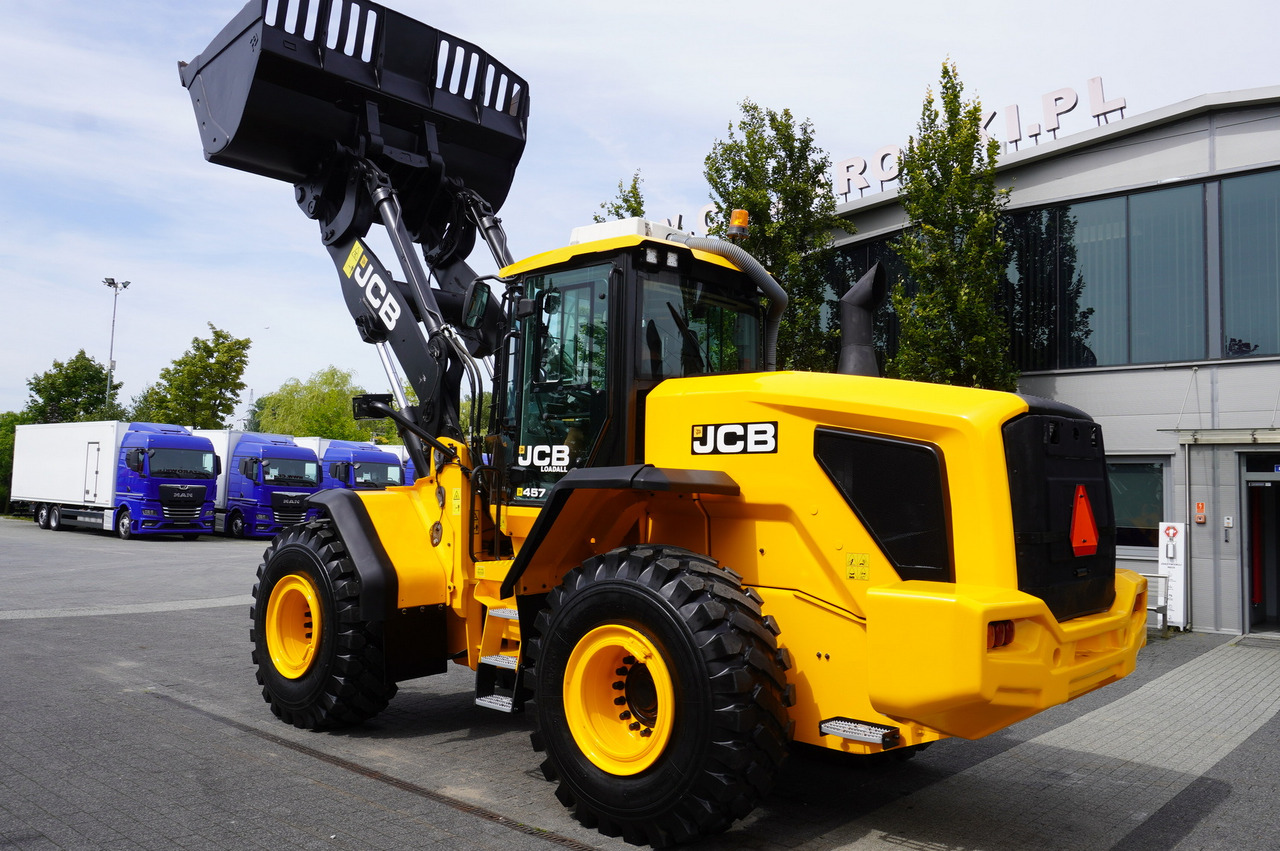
857 309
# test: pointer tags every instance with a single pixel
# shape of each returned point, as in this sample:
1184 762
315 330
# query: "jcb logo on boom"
376 295
735 438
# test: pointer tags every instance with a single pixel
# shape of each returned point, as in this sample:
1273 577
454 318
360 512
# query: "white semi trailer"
130 478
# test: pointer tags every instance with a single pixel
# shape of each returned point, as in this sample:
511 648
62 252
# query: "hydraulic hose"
772 290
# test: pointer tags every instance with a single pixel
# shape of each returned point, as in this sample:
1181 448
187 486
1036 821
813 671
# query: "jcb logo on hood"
735 438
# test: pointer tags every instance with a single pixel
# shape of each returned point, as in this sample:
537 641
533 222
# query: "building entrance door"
1262 546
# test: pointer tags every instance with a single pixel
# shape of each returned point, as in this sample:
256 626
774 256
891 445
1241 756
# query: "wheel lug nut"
622 672
646 732
630 660
634 725
619 685
624 715
619 701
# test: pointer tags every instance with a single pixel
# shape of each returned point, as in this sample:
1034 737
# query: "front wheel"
659 695
235 525
319 665
41 515
124 525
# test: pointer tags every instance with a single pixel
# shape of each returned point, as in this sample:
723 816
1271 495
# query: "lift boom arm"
376 119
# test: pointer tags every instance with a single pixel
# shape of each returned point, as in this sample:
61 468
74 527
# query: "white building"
1144 287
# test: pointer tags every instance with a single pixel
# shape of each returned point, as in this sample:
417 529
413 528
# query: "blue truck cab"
166 482
398 450
265 483
355 465
269 480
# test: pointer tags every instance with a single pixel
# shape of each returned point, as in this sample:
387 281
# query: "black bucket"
287 81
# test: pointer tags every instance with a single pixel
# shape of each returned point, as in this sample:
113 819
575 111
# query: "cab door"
561 386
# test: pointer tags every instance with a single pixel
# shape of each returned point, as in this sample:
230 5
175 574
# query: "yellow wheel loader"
677 558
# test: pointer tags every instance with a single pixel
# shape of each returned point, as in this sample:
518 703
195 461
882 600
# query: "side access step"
861 731
498 674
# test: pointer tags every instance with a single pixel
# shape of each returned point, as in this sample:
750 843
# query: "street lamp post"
111 350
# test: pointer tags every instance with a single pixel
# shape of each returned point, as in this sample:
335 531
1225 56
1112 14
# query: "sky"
102 172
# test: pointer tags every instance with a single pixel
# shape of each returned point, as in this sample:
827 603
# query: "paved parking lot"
132 720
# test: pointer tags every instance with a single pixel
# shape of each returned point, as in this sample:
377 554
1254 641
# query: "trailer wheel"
55 519
41 515
235 525
659 695
320 666
124 525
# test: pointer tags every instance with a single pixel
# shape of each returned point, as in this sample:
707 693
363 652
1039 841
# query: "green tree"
202 387
486 407
628 204
776 172
149 406
74 391
319 406
9 421
951 328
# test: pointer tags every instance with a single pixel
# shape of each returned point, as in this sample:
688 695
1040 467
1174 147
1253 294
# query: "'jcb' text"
375 293
735 438
548 459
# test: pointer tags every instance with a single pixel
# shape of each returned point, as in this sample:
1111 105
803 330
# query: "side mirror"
474 304
549 301
361 406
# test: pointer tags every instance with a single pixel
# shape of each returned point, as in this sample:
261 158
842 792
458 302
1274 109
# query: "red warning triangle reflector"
1084 529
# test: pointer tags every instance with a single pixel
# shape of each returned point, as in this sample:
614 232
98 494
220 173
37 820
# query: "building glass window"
1094 263
1030 286
1137 494
1251 265
1123 280
1166 275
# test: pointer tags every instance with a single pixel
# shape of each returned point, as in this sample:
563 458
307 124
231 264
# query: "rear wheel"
55 518
124 525
659 695
319 665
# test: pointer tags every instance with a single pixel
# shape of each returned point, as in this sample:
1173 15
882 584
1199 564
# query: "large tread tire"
723 737
339 677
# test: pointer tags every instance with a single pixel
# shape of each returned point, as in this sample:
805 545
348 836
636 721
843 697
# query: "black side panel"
1049 455
414 640
630 478
898 490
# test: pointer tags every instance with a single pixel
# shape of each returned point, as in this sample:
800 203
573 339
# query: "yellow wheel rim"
293 625
619 700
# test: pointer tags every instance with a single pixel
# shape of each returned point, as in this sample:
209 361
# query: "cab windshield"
181 463
374 475
297 472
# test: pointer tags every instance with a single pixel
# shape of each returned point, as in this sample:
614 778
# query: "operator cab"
599 324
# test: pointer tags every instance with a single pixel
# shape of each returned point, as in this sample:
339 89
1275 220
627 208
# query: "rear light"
999 634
